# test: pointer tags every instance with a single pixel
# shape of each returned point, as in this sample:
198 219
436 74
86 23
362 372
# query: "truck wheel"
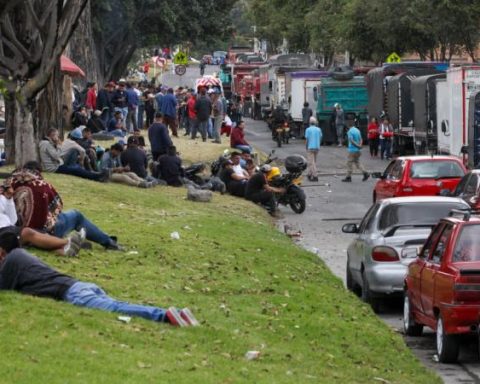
447 345
367 296
410 326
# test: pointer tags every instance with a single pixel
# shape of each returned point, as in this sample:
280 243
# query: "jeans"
201 126
77 170
209 128
74 220
92 296
217 125
123 110
106 116
340 133
131 119
385 148
373 143
71 157
265 198
244 148
117 133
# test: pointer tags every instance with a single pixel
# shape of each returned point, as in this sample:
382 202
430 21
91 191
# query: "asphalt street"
330 204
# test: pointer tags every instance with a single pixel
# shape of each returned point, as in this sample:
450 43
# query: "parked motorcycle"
193 173
217 165
294 195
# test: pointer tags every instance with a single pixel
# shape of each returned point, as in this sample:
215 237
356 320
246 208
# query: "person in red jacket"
237 138
373 133
91 101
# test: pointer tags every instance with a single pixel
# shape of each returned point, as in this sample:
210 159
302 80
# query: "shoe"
77 238
72 248
188 317
315 178
144 184
204 140
105 175
173 317
216 142
113 245
347 179
186 134
366 175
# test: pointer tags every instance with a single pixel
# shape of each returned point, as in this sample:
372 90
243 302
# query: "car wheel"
447 345
367 296
349 278
410 326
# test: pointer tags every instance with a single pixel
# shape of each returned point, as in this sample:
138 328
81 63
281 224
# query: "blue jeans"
77 170
140 112
92 296
244 148
117 133
385 148
74 220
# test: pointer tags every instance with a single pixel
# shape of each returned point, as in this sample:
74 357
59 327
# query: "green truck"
351 94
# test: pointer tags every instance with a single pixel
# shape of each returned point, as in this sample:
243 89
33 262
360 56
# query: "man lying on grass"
39 206
8 219
24 273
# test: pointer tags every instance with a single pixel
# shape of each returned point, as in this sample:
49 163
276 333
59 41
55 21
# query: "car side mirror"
350 228
445 192
377 175
411 252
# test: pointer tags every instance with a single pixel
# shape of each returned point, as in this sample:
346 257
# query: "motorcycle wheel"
279 140
297 203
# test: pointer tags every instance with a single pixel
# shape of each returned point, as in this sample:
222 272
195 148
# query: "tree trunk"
10 127
49 105
25 144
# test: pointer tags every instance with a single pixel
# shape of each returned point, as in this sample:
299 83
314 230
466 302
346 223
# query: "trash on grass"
252 355
175 235
124 319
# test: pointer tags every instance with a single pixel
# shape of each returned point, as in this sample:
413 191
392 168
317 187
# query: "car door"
470 191
430 273
385 187
356 251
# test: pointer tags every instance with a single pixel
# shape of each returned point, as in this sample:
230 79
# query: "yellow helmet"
275 171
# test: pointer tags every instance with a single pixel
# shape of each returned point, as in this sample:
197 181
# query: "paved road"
332 203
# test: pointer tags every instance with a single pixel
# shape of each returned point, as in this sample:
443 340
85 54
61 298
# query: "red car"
442 286
418 176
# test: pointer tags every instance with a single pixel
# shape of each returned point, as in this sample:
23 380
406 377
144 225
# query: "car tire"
367 296
410 326
447 345
349 278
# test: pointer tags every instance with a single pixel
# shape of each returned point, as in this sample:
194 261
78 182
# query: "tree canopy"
370 30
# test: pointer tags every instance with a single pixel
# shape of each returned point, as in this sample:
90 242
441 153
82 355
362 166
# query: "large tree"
33 36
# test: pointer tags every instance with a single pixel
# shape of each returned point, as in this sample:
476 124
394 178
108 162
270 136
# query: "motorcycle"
217 165
294 195
281 134
193 173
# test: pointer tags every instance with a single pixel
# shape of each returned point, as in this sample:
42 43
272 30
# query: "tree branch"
10 33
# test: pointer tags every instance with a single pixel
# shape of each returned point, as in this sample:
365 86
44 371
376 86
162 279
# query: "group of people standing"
380 136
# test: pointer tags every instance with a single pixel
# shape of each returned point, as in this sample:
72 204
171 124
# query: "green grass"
251 288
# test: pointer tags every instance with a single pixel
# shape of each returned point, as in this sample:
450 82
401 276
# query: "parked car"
375 268
468 189
442 286
418 176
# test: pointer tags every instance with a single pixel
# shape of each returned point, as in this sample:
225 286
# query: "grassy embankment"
251 288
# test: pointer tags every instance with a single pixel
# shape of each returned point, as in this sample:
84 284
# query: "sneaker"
314 178
71 249
188 317
347 179
366 175
114 246
174 317
76 238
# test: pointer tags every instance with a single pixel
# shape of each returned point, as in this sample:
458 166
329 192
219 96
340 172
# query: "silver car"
376 267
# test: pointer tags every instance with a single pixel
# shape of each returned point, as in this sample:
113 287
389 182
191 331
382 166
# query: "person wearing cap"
203 108
313 136
119 99
83 137
104 102
259 191
22 272
169 111
134 158
91 100
118 173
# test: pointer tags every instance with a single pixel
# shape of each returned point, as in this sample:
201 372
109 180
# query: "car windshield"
415 213
436 170
468 244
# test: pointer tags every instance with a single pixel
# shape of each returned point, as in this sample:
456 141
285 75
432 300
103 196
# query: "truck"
455 96
424 99
350 94
389 95
299 90
272 78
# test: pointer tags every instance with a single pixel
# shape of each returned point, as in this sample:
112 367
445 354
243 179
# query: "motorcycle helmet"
274 172
295 163
265 168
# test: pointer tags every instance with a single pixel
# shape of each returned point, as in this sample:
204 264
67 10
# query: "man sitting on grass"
235 184
111 161
40 207
24 273
169 167
8 219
